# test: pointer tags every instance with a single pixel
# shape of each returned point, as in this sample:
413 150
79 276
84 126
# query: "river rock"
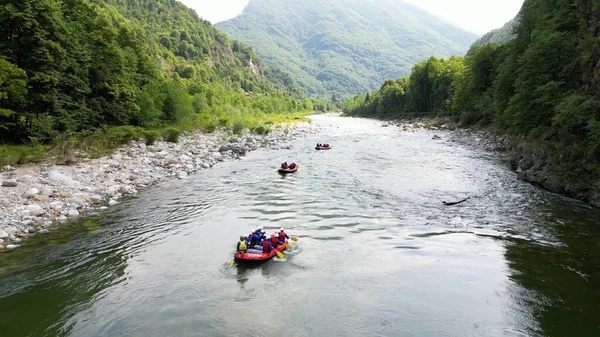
3 234
94 199
11 247
7 168
40 198
45 191
182 175
43 231
35 209
237 149
72 213
77 202
9 183
112 202
436 137
56 205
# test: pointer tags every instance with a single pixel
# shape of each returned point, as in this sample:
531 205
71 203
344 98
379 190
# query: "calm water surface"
377 255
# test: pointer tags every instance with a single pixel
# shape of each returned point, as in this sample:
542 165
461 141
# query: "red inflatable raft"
323 147
288 170
258 256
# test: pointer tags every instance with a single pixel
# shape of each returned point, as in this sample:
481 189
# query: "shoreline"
39 198
532 163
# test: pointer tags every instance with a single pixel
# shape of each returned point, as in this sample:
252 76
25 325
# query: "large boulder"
235 148
9 183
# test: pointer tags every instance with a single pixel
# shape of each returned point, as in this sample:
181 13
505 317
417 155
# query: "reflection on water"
378 254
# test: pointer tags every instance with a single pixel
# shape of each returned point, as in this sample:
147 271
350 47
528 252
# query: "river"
378 254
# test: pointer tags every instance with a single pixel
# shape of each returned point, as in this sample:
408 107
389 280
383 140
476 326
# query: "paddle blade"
294 239
287 246
231 263
280 254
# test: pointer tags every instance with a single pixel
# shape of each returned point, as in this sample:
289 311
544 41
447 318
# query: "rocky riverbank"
545 164
36 198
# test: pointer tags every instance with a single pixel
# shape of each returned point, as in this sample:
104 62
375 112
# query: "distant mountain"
344 46
500 35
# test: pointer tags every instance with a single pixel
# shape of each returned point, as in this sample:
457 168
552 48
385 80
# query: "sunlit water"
378 254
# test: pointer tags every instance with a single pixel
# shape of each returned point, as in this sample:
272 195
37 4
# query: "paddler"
282 235
241 246
267 246
274 241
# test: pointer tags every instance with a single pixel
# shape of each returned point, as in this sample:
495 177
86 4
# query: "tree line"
543 83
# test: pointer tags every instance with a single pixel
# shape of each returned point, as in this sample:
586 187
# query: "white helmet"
242 237
281 229
260 228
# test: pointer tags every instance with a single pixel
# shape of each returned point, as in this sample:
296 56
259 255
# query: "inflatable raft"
323 147
255 255
288 170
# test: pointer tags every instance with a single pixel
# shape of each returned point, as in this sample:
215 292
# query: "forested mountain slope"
73 65
500 35
344 46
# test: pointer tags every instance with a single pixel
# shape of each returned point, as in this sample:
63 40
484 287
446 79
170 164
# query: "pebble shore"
34 199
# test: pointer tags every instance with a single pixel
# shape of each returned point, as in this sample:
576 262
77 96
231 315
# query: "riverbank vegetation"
541 89
74 69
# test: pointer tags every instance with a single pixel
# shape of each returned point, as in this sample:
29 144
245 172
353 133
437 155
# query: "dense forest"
542 89
344 46
74 65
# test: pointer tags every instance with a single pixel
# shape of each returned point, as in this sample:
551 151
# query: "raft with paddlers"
323 146
258 246
255 255
288 170
285 168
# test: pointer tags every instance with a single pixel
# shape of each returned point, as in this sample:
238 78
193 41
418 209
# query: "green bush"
172 135
151 136
238 127
261 130
209 127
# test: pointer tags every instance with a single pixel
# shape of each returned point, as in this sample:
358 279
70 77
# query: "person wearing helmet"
257 236
267 247
251 240
241 246
282 235
274 240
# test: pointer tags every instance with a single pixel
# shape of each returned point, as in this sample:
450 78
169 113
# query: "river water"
378 254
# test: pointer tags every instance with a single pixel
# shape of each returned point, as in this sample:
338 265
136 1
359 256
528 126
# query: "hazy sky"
478 16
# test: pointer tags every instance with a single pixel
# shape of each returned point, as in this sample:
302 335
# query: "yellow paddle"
280 254
287 245
231 263
294 239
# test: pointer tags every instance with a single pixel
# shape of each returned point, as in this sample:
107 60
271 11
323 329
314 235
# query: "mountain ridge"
336 46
